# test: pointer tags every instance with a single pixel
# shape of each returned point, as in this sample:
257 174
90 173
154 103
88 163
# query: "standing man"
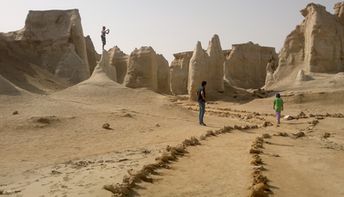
103 35
201 102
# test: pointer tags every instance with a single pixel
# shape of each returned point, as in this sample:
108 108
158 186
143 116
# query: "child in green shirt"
278 107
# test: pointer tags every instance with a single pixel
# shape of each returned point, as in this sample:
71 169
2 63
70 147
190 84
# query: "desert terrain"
77 123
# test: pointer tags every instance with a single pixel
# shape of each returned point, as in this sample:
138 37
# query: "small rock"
55 172
106 126
283 134
157 125
127 115
302 115
255 151
146 151
266 135
260 168
267 124
259 190
326 135
15 113
299 134
313 122
288 117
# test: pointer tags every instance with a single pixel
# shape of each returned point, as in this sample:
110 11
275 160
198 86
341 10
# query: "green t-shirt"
278 103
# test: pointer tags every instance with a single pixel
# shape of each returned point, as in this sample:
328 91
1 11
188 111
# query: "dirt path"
221 162
310 165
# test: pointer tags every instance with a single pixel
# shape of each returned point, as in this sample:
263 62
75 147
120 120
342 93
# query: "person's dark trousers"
201 111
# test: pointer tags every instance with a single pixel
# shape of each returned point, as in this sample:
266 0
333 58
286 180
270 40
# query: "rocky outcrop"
245 66
179 71
198 70
206 66
7 88
142 69
316 45
270 69
215 65
147 69
51 41
92 55
105 68
163 75
119 60
60 39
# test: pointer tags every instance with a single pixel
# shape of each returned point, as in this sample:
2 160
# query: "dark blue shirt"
199 93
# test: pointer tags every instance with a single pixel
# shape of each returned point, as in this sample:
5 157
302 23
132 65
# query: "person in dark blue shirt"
201 102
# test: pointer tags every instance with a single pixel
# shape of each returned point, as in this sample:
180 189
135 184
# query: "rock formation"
270 69
92 55
51 41
142 69
316 45
119 60
215 65
206 66
7 87
62 30
245 66
147 69
179 71
198 70
105 67
301 76
163 75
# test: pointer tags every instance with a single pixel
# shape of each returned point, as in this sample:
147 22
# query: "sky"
175 25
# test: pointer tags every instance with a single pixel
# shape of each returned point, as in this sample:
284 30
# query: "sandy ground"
220 163
56 146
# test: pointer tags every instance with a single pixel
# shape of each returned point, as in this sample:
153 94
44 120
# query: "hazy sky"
171 26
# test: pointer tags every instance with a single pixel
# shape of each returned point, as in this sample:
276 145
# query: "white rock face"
51 40
179 72
105 67
163 75
119 60
206 66
270 69
62 30
245 66
215 65
301 76
198 70
142 69
316 45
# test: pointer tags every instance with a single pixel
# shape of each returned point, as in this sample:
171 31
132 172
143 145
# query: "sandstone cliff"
315 46
104 68
119 60
52 45
207 66
179 72
147 69
163 75
198 70
245 66
215 63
